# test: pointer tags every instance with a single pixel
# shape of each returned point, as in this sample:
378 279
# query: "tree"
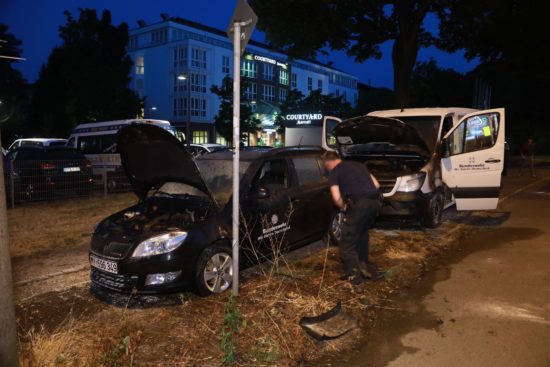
224 119
304 27
86 78
13 88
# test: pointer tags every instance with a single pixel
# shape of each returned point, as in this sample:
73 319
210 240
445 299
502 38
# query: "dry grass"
40 227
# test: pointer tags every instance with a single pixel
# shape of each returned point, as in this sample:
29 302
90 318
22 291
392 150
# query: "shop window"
200 137
221 140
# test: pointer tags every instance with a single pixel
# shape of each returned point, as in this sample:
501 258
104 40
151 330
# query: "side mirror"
444 148
261 193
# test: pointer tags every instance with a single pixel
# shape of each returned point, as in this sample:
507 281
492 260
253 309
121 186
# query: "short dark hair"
330 156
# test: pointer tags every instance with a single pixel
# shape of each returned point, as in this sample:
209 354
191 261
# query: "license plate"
71 169
105 265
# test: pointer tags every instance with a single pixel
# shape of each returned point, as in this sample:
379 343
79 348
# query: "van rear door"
473 159
328 140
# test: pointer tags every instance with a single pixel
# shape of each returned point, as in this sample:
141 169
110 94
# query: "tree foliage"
13 87
304 27
86 78
224 119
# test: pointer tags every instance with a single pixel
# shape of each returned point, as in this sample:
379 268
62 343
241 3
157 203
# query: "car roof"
41 139
427 111
48 148
262 152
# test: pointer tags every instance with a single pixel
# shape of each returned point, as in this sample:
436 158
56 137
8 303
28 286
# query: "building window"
294 81
179 85
198 83
225 65
269 93
180 107
251 91
198 107
268 72
248 69
309 84
140 65
200 137
198 58
180 57
320 84
159 36
283 76
221 140
133 43
282 95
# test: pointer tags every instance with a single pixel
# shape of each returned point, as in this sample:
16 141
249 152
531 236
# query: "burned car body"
429 158
179 234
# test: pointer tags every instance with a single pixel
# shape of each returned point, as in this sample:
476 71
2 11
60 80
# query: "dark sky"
36 23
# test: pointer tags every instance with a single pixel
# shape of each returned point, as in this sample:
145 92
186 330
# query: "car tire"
214 270
433 211
334 233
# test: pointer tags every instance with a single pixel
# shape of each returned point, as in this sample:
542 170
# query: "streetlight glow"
153 108
182 77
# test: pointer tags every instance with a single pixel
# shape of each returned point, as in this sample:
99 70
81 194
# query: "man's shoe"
355 277
374 273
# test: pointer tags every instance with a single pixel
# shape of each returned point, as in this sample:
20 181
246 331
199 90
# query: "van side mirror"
444 148
261 193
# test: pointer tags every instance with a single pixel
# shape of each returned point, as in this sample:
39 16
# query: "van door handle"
492 160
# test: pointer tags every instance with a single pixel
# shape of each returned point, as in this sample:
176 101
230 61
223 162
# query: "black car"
179 234
43 172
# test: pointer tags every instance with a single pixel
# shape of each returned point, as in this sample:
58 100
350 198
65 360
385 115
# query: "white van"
97 140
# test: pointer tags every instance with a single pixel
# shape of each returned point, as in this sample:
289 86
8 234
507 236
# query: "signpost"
239 31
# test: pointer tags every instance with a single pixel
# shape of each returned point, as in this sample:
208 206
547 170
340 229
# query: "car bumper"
405 204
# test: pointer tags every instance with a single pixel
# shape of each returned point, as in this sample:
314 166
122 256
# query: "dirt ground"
71 326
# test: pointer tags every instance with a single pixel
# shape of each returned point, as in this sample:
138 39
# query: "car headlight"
411 182
160 244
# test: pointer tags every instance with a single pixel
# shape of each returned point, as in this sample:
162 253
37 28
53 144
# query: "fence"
29 181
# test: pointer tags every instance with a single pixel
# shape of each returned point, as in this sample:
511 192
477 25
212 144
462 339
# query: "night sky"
36 23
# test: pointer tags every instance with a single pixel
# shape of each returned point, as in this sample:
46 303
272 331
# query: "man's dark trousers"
354 244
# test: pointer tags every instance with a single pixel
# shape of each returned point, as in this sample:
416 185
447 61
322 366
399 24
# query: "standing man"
355 191
527 152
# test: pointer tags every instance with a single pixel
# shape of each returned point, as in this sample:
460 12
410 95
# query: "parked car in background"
43 172
428 158
179 234
197 150
37 142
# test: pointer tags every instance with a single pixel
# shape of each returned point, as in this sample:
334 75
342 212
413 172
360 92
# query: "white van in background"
97 140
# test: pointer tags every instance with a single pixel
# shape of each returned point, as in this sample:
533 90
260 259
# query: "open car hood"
150 156
378 135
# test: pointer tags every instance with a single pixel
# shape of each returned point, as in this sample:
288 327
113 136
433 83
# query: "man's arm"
375 181
337 197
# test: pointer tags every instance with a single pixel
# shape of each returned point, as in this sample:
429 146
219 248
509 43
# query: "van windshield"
426 126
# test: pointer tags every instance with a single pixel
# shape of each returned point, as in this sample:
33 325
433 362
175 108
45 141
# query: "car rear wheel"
433 211
334 234
214 272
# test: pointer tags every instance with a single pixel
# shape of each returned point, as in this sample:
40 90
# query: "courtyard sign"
303 119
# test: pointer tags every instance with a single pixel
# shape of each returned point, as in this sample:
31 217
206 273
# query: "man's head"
331 160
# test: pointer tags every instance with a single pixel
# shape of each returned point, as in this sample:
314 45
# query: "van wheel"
431 218
214 271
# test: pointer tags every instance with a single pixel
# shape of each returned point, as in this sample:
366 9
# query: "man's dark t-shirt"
354 180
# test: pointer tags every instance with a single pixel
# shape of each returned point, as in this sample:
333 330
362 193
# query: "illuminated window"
140 65
248 69
200 137
283 76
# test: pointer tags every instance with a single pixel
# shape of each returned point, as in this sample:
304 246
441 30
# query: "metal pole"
8 331
12 186
188 125
236 149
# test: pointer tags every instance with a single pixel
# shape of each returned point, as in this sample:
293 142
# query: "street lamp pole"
188 125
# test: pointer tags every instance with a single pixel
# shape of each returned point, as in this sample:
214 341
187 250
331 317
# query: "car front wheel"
214 271
433 211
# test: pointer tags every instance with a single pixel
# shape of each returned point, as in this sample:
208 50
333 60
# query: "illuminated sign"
303 119
269 61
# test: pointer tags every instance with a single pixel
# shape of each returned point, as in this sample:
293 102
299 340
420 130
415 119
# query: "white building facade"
169 54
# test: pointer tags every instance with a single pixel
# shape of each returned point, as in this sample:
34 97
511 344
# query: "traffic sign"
244 15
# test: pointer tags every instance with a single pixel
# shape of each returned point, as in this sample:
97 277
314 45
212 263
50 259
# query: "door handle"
492 160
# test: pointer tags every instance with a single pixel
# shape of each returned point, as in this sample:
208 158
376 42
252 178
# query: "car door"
473 158
267 212
310 198
329 141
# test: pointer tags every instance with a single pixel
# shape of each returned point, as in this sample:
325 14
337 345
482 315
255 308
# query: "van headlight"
160 244
411 182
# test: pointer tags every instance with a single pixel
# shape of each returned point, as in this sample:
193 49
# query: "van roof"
428 111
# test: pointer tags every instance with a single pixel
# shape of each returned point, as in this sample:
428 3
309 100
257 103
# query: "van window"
307 170
97 144
476 133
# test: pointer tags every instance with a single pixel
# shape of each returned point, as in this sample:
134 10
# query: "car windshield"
426 126
218 176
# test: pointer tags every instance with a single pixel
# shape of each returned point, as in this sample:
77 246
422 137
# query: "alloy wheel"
218 272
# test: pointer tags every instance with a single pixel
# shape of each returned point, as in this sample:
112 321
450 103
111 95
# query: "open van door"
328 140
472 159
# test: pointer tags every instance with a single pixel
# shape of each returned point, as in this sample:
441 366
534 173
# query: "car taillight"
46 165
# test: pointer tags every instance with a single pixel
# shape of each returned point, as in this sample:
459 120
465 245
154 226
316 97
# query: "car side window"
273 175
307 170
475 133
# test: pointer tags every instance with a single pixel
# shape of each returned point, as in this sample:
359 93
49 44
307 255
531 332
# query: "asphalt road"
488 304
